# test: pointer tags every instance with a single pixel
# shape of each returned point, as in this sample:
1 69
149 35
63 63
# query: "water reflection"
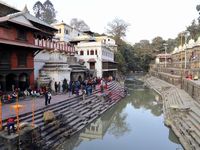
128 123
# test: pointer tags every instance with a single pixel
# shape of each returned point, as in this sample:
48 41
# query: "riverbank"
71 115
181 112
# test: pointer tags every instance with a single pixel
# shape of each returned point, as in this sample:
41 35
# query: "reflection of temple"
96 130
18 30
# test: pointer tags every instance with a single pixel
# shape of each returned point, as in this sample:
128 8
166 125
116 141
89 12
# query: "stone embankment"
181 112
72 115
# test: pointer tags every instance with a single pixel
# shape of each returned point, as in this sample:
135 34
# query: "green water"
135 123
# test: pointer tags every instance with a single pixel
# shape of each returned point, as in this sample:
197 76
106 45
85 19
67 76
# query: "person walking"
56 87
46 98
49 97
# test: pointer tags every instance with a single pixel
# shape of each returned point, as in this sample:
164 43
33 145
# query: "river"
135 123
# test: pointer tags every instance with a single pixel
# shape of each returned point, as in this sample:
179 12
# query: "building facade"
97 54
18 32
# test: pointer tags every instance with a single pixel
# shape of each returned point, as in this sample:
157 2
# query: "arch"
81 52
11 82
91 52
23 81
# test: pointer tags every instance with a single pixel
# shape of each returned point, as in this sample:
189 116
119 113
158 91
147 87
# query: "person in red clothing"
11 123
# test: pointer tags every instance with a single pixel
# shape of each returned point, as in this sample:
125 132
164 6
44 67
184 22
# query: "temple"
18 31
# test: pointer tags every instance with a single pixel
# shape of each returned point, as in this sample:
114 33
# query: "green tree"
49 14
157 43
38 9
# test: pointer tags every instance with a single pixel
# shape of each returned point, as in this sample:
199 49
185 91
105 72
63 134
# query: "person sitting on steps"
11 123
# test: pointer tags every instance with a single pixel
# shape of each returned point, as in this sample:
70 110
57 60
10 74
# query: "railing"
52 45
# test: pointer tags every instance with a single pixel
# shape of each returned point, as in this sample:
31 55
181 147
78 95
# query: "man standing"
46 97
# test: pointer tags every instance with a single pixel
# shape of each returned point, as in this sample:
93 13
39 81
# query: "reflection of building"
96 130
18 31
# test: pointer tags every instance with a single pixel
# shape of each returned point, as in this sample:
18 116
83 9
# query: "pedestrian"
49 97
11 123
56 87
59 87
46 98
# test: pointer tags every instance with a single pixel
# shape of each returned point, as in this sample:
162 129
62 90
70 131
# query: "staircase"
72 115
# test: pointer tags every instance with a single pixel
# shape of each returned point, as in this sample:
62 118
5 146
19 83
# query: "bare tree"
117 28
79 24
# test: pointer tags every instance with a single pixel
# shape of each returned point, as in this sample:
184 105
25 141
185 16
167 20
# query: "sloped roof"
24 18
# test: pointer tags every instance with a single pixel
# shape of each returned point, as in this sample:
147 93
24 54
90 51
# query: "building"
97 54
65 32
18 33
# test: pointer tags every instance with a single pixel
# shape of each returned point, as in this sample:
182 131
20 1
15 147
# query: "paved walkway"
28 103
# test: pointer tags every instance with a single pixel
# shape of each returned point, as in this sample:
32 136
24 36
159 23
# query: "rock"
48 116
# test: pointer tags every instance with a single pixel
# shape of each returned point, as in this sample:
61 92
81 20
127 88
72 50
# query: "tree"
198 9
117 28
49 14
79 24
38 9
45 12
157 43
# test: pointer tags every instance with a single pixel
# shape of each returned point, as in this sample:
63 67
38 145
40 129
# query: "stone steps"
72 115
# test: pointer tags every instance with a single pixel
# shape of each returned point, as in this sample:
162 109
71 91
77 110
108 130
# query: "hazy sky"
148 18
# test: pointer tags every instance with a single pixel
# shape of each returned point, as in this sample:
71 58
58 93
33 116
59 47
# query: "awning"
19 44
104 60
91 60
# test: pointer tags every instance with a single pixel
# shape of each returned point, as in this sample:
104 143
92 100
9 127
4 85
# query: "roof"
25 18
104 60
19 44
6 9
91 60
164 55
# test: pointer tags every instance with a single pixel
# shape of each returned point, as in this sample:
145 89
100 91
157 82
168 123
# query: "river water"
135 123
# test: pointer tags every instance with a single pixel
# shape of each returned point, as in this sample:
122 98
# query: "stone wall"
192 88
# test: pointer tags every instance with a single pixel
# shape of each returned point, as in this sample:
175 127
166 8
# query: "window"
81 52
92 65
91 52
108 39
22 59
87 52
95 52
5 59
66 31
59 31
21 35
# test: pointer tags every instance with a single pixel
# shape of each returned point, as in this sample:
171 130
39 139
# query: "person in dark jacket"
46 97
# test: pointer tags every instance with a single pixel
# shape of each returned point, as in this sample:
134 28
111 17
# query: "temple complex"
18 32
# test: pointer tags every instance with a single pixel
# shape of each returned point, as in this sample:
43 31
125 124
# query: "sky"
147 18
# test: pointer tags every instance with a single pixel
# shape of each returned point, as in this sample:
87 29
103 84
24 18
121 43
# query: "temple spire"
25 9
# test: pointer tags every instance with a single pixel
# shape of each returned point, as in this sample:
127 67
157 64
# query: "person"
56 87
49 97
83 93
11 123
46 98
59 87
